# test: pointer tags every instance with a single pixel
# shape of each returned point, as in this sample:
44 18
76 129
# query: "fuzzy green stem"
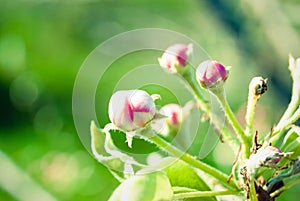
191 160
252 100
220 94
257 87
285 187
197 194
189 76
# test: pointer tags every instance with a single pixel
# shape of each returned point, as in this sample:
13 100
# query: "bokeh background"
44 43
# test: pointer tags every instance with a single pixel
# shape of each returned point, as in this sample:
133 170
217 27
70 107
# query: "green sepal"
119 164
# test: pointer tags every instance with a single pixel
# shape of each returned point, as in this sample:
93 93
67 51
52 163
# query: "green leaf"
153 186
291 136
294 147
291 142
182 175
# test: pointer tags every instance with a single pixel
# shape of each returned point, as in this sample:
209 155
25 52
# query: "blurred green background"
43 44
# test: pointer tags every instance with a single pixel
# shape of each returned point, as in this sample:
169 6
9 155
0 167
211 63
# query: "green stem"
285 187
292 106
189 76
191 160
203 194
180 189
257 87
295 100
280 128
219 93
253 196
252 101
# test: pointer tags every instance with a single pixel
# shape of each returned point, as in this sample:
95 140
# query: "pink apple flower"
175 58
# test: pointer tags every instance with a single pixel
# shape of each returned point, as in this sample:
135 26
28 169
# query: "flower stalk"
189 76
280 128
220 94
257 87
197 194
294 67
191 160
212 75
252 193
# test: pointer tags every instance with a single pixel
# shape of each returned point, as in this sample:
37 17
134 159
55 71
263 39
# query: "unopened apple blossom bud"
211 74
170 124
131 109
173 112
175 57
173 119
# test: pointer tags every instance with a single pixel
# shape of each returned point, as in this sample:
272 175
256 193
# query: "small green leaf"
153 186
182 175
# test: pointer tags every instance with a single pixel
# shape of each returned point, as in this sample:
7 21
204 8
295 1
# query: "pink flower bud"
175 58
131 109
173 112
211 73
170 124
174 119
